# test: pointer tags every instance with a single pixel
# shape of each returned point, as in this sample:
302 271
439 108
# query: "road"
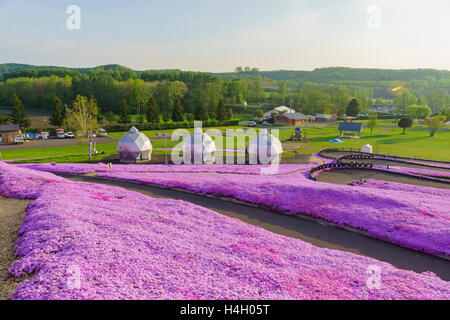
35 144
314 231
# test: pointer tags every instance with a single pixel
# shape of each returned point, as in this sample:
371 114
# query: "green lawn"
416 143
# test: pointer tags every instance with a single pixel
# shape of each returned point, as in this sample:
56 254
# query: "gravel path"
12 213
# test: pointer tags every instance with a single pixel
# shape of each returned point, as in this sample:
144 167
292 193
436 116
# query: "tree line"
198 94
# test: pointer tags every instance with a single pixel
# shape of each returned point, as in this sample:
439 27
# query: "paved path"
314 231
386 129
34 144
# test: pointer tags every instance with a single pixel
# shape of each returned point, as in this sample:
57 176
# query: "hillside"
320 75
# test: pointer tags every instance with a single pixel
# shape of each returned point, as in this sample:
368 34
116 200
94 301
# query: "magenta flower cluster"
89 241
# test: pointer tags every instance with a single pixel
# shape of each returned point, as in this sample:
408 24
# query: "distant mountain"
321 75
12 67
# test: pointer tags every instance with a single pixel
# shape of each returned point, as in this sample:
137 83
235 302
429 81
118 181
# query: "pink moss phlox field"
89 241
402 217
418 171
83 168
418 162
418 190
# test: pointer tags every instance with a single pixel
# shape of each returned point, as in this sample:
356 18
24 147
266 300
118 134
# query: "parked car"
102 132
70 135
19 139
251 123
60 134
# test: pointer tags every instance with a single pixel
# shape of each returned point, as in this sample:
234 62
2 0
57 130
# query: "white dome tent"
134 146
198 148
264 149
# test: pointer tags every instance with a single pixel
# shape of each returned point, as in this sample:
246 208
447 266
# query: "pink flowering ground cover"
109 243
418 190
83 168
403 217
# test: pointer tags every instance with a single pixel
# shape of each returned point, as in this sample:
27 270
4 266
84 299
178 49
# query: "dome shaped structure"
134 146
264 149
198 148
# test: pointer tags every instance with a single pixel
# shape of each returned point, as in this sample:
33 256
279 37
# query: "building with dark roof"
291 119
350 129
8 132
325 117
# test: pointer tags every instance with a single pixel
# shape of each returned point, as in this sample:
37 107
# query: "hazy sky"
210 35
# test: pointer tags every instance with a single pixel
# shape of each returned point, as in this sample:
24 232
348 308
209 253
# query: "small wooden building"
291 119
8 132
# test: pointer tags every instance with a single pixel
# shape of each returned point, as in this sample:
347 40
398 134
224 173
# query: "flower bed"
109 243
387 185
402 217
83 168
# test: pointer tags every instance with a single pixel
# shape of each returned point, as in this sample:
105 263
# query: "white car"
102 133
251 123
60 134
70 135
19 139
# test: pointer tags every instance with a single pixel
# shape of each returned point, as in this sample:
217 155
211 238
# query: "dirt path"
386 129
314 231
12 213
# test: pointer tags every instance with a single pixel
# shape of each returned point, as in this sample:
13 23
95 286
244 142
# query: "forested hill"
318 91
327 75
320 75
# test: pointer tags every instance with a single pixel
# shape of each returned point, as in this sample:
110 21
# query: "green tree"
221 112
4 119
259 114
283 91
166 116
152 110
83 118
18 115
229 113
403 100
435 123
177 112
124 112
418 111
213 115
140 119
372 123
190 117
405 122
201 113
58 115
110 117
353 108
